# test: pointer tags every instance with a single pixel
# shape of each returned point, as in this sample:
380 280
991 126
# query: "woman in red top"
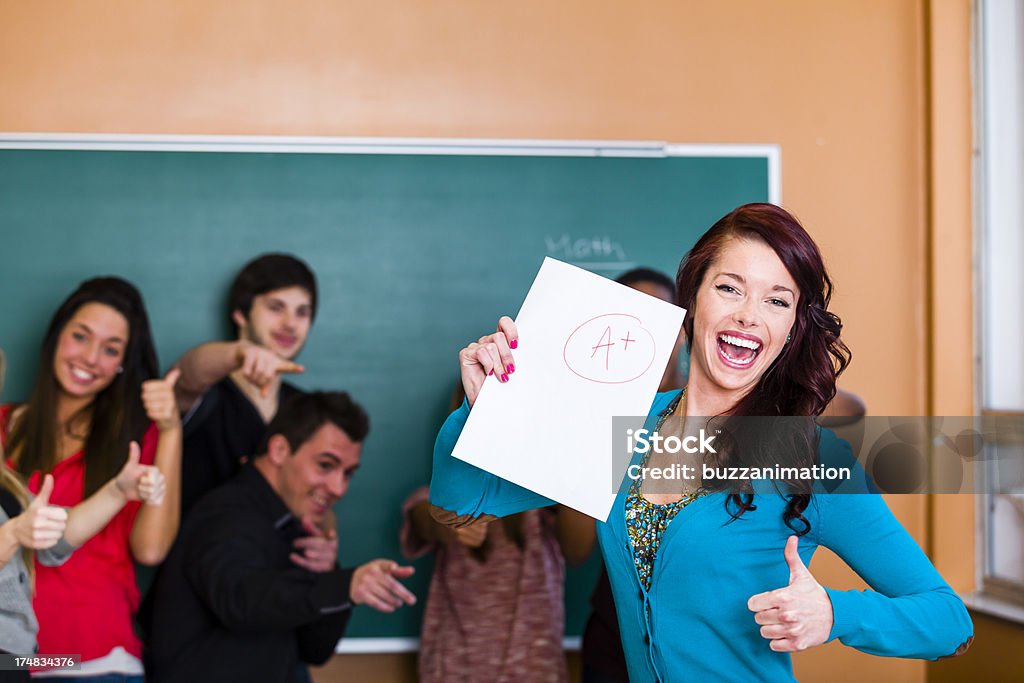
95 391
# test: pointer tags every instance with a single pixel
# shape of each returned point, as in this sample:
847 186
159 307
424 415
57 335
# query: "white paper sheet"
589 349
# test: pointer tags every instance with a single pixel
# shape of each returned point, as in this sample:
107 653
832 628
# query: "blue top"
693 624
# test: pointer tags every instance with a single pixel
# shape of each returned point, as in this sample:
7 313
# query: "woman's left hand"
161 405
798 616
140 482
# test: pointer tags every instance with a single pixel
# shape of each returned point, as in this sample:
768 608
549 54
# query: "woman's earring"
787 338
120 369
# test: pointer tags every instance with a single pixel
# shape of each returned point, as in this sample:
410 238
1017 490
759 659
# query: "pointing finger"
401 592
290 367
402 572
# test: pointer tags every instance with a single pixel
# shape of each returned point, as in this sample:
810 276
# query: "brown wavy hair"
801 381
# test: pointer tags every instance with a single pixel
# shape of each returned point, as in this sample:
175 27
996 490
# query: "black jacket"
223 427
228 604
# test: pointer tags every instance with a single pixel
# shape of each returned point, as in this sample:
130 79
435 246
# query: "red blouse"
86 605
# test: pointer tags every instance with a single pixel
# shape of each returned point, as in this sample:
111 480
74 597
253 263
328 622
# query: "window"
999 202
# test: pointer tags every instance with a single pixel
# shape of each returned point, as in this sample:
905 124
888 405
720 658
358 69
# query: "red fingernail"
504 377
513 344
491 372
511 368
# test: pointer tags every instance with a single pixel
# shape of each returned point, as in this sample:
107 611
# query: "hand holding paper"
490 356
586 349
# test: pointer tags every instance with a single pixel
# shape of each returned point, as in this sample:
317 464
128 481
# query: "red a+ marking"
607 346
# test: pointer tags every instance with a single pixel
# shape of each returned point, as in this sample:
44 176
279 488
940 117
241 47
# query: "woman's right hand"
41 525
490 355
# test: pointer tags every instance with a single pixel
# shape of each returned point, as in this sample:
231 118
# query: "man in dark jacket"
231 602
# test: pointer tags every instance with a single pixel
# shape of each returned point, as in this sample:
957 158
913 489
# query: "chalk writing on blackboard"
596 253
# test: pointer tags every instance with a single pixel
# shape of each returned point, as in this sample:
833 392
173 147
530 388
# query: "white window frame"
999 275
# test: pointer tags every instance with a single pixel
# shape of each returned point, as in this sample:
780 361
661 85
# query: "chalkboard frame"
403 146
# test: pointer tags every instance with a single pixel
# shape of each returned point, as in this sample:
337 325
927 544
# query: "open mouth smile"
81 376
738 351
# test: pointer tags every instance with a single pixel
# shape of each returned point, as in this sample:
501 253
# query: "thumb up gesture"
140 482
797 616
41 525
158 399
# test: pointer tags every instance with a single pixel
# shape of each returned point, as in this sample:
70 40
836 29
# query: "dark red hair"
802 380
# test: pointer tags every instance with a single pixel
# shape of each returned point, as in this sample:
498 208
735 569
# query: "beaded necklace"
646 521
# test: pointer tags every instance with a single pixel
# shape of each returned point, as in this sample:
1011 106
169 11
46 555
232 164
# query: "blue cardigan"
706 569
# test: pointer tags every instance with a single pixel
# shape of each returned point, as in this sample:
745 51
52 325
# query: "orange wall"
995 653
840 86
866 99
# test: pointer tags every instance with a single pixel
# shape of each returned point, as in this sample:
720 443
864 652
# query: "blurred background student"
96 390
230 390
495 610
31 528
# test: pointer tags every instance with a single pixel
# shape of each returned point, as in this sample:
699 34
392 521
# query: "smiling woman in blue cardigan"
711 580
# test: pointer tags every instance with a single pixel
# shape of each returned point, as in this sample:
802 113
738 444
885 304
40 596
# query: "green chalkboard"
415 254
